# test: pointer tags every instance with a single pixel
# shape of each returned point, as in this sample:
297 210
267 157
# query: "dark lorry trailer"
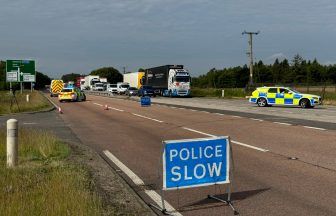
168 80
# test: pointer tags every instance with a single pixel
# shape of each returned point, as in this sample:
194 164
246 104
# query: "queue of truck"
167 80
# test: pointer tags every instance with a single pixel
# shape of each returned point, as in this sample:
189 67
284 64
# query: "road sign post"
197 162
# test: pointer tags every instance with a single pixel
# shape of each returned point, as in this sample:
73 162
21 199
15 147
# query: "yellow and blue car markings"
290 97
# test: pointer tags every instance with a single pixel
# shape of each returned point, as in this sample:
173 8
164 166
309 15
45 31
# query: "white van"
122 87
112 88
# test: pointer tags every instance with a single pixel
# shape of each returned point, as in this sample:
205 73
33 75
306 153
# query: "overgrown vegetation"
44 182
10 104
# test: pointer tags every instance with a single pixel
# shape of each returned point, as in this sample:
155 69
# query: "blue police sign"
145 101
196 162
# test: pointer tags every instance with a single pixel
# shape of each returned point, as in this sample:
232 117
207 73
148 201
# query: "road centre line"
235 142
147 117
236 116
316 128
221 114
139 182
97 104
282 123
254 119
116 109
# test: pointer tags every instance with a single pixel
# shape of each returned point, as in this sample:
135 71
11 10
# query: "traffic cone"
60 110
106 107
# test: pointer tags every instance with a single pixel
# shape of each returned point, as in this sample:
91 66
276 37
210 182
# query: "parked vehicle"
168 80
134 79
56 87
71 94
267 96
146 90
112 88
91 80
131 91
122 87
98 86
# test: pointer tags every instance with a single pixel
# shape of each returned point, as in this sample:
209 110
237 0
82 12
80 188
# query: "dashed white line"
254 119
141 116
316 128
221 114
97 104
116 109
200 132
236 116
138 181
249 146
282 123
235 142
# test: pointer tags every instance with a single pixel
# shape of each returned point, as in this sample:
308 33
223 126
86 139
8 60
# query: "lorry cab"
178 82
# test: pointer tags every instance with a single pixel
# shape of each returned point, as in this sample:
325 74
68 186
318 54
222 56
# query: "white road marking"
254 119
204 111
316 128
124 168
139 182
147 117
282 123
236 116
157 199
196 131
193 110
221 114
235 142
97 104
249 146
116 109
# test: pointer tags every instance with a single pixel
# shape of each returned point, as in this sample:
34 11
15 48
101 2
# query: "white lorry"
91 80
168 80
99 86
134 79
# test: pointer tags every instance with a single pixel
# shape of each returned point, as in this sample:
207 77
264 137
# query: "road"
280 169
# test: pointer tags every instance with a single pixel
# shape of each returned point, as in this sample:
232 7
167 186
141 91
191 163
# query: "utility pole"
250 54
124 69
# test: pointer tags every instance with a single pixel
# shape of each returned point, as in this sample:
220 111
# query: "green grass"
37 102
45 182
211 92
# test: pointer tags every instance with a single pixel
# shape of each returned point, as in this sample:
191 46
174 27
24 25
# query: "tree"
141 70
111 74
41 80
70 77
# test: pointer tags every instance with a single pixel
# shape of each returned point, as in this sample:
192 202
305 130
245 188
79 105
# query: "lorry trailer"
168 80
134 79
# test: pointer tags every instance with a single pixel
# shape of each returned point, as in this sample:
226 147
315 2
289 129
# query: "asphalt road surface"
280 169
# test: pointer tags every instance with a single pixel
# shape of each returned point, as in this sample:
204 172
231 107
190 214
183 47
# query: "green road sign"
20 71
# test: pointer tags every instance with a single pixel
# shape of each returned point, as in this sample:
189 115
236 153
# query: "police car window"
272 90
282 91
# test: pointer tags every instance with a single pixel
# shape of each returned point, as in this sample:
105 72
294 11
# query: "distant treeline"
298 71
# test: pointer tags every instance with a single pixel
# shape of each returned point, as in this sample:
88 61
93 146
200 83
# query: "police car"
71 94
266 96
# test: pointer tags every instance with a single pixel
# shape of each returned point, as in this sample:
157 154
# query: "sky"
79 36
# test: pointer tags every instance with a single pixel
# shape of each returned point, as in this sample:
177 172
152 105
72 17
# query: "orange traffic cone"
106 107
60 110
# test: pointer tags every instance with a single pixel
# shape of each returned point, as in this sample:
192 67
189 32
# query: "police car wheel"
262 102
304 103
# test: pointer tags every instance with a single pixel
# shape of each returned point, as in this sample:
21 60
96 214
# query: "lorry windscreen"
182 79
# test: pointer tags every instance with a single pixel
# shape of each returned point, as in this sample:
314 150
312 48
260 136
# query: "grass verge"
45 182
8 104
